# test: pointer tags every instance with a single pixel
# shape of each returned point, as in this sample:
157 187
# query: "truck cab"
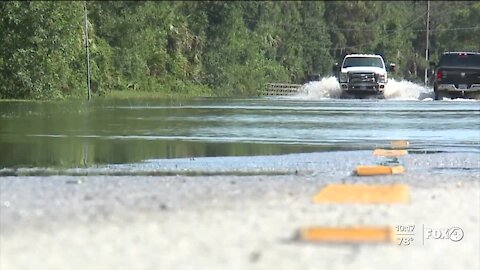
363 75
457 75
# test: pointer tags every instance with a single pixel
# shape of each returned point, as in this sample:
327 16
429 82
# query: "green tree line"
215 48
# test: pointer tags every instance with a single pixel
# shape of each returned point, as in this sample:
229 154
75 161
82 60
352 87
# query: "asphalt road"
227 221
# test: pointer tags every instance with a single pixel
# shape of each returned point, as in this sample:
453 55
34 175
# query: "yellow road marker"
389 153
348 235
378 170
362 193
399 144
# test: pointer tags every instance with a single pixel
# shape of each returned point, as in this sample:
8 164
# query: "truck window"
460 60
363 62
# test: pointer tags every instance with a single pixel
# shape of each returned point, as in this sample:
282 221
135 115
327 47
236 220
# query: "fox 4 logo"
454 234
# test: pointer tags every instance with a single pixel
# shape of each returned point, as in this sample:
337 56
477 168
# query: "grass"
17 100
132 94
124 94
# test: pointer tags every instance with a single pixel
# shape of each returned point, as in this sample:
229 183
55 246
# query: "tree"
41 49
219 48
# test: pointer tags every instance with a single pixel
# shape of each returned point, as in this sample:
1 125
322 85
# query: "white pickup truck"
363 75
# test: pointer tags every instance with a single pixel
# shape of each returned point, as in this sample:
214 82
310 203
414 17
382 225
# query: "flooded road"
69 135
77 178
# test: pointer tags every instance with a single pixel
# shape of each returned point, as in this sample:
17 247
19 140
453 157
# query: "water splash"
406 90
329 87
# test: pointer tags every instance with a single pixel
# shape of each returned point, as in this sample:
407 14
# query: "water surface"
68 134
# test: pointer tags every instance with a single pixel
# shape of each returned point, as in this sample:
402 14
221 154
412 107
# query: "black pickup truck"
457 75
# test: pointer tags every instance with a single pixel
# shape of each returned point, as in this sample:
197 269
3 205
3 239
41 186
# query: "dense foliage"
214 48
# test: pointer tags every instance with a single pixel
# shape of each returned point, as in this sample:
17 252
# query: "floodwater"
102 132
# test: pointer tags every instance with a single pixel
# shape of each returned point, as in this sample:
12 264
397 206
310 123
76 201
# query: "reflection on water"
81 134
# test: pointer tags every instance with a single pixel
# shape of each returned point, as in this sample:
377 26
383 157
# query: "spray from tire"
329 87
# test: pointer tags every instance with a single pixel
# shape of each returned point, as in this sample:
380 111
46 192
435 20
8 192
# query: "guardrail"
281 89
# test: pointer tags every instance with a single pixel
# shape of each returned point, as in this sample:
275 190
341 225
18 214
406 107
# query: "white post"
428 37
87 51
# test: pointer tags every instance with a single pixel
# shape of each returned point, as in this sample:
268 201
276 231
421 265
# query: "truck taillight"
439 75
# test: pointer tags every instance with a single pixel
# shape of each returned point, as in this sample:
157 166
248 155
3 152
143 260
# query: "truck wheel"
473 96
439 95
344 95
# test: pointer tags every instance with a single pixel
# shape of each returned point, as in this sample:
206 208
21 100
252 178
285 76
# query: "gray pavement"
227 221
